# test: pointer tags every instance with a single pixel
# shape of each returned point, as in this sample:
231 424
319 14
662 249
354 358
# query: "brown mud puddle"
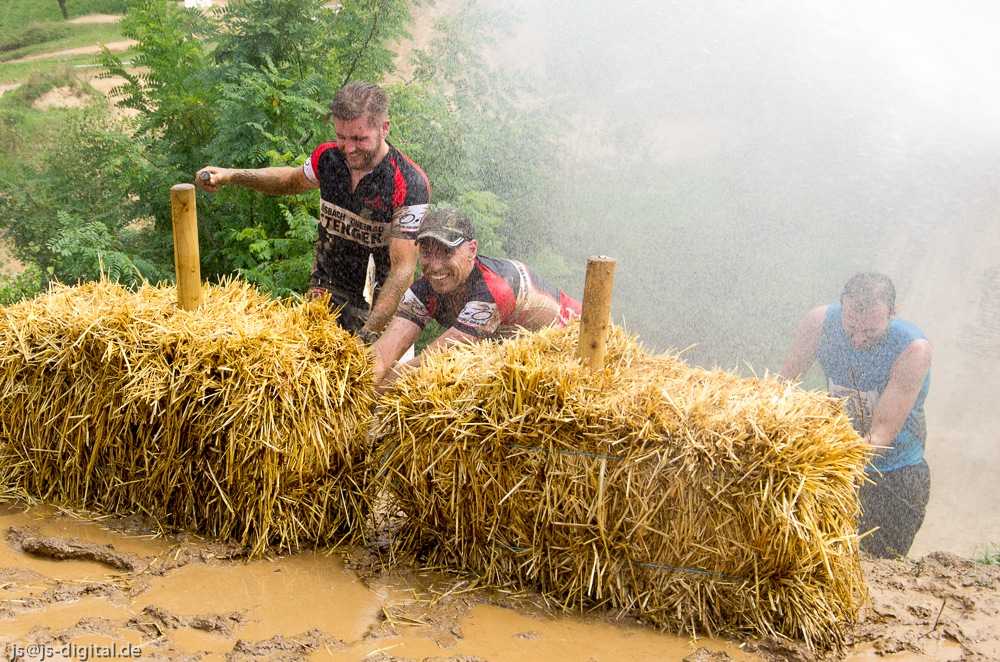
75 585
107 587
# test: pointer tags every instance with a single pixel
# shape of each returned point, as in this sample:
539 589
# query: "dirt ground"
70 581
114 47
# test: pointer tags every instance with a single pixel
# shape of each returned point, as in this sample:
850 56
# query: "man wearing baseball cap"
473 297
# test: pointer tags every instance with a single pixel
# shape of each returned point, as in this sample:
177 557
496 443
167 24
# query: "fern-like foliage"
168 80
247 86
90 250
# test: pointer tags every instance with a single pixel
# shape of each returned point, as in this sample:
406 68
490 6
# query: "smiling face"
864 326
361 144
446 268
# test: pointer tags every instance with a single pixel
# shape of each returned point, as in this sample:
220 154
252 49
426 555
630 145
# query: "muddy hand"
207 180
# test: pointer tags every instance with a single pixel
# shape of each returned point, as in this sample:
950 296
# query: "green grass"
11 73
35 27
35 34
24 134
11 132
39 84
987 558
15 14
58 38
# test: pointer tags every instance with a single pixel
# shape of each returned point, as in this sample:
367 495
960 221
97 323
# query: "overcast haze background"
741 160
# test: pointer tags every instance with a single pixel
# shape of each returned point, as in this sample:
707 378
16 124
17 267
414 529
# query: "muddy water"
936 650
285 596
312 600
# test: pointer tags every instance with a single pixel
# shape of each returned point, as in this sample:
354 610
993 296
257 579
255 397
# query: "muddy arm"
273 181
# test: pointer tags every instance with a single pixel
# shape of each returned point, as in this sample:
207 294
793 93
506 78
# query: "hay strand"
246 419
701 500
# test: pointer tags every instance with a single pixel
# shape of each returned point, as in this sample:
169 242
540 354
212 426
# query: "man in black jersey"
474 297
372 199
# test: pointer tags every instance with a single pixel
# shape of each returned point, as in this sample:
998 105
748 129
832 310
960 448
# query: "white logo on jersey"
412 307
339 221
480 315
407 219
860 405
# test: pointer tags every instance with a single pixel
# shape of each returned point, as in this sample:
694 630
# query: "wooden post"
187 264
596 315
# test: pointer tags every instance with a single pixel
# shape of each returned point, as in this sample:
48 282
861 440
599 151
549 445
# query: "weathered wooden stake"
596 315
187 264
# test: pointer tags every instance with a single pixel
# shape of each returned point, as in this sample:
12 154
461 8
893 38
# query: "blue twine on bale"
538 448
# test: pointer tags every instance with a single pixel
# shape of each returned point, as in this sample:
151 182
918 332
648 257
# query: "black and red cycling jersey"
388 202
501 296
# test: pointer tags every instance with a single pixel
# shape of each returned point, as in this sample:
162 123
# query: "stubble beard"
368 162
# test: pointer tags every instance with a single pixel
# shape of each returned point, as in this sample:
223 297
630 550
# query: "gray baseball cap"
449 225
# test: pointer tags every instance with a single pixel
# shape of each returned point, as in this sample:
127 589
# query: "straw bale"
701 500
246 419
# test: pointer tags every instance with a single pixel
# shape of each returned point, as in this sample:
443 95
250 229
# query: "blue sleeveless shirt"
861 377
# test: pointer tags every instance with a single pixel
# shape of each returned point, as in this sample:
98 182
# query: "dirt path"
114 47
103 85
96 18
947 272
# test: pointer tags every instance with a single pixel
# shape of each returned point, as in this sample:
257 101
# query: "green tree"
246 87
85 186
254 100
474 128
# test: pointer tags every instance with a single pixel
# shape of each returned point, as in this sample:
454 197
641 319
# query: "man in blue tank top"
881 365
